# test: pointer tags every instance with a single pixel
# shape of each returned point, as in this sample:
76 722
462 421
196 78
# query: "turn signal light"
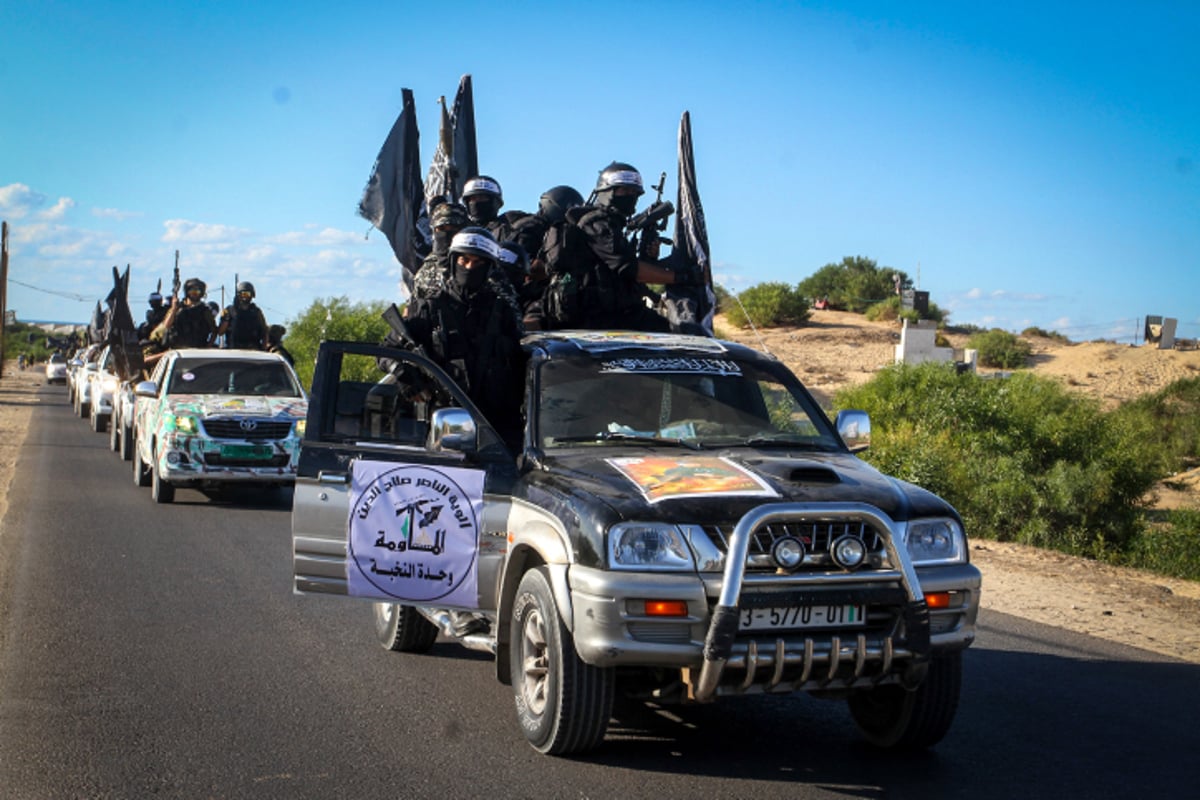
666 608
938 600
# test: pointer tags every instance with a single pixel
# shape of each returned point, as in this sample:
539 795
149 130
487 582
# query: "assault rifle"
175 278
392 317
649 225
419 386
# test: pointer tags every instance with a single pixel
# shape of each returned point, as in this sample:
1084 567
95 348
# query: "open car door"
394 469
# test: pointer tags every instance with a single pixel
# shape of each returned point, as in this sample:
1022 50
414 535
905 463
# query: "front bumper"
611 627
195 459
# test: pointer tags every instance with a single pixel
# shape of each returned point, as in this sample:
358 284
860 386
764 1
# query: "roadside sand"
1121 605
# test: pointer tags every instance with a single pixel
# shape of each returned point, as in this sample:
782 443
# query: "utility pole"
3 289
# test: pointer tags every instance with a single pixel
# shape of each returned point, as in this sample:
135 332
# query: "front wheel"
161 489
895 718
140 476
403 629
563 704
126 449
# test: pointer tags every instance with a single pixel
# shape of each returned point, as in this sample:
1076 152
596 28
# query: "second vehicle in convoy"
212 418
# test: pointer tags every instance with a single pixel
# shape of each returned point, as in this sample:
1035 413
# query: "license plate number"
244 451
757 619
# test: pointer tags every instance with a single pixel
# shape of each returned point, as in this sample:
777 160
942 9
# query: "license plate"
758 619
244 451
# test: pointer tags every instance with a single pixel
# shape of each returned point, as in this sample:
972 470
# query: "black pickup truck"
679 522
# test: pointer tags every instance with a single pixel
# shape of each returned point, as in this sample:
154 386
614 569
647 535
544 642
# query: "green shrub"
890 309
1000 349
1171 550
854 284
1169 421
724 299
1045 334
335 318
766 305
1020 458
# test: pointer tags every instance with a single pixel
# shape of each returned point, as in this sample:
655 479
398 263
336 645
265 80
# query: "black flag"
464 162
394 199
690 306
95 331
120 332
439 183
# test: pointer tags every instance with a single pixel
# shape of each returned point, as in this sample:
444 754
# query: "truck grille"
274 462
817 536
247 428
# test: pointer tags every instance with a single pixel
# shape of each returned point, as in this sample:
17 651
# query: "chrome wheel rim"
534 663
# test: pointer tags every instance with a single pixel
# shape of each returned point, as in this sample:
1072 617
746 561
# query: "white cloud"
311 237
59 209
17 200
182 230
115 213
973 294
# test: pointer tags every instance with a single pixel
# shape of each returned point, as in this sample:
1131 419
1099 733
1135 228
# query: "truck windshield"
698 402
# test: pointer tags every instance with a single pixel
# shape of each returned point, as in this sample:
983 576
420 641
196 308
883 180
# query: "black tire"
563 704
161 490
114 437
894 718
140 476
99 422
126 448
403 629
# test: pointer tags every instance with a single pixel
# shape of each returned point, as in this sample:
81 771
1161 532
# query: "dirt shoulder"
1120 605
837 349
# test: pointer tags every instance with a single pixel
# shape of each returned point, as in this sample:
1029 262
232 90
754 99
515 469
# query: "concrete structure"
918 344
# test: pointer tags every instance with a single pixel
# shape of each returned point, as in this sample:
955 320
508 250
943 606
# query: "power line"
78 297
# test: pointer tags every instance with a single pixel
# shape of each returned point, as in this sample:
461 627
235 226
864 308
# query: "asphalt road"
158 650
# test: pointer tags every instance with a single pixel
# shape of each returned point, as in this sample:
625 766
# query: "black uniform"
476 338
612 298
247 327
193 326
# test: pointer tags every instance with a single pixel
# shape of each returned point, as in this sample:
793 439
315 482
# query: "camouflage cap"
453 214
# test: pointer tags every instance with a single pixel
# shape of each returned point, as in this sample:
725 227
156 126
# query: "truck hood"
224 405
722 486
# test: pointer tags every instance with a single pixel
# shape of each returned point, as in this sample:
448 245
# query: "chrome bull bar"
719 643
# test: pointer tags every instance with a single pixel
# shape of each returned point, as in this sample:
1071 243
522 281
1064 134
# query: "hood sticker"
668 477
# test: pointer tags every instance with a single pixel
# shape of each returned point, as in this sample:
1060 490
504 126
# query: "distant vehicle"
120 437
211 418
56 369
77 383
102 381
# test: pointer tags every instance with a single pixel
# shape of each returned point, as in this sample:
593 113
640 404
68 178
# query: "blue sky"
1027 163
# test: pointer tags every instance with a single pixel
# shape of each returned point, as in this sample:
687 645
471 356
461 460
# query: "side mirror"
855 429
452 429
146 389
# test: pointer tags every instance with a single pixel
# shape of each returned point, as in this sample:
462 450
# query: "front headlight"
648 546
187 425
936 541
301 426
